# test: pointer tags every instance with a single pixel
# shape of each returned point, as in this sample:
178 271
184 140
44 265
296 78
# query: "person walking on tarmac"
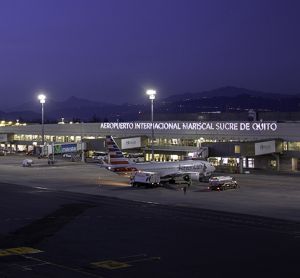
184 190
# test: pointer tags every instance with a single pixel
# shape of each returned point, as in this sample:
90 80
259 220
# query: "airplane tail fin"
115 155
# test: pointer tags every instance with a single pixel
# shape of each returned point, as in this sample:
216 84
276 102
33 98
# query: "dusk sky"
113 50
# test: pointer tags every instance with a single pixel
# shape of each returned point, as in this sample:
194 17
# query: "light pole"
151 94
82 150
42 99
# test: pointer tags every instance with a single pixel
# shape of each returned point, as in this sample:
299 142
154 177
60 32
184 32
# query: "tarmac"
268 195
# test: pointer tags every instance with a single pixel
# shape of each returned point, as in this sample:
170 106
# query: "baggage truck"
147 179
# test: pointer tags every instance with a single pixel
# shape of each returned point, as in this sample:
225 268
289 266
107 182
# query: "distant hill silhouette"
225 99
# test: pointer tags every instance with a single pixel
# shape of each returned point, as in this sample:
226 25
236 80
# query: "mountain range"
225 99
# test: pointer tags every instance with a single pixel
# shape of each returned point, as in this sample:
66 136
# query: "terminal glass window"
23 137
214 160
250 162
174 157
157 157
244 162
189 142
174 141
237 149
164 141
294 146
70 139
49 138
60 139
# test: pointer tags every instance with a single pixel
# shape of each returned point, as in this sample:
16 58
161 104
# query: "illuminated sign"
68 148
130 143
265 147
206 126
65 148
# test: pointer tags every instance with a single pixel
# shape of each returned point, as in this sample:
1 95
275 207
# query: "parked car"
222 183
100 156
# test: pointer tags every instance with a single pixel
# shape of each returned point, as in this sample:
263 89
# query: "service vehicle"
27 162
147 179
100 156
222 183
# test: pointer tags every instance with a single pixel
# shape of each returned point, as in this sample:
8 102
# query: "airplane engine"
194 176
187 177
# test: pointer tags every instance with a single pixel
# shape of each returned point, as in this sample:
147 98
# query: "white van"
100 156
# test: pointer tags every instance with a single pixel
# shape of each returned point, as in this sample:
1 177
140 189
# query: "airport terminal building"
256 144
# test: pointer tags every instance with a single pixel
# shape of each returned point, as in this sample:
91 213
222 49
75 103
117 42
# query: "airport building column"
81 143
82 152
245 162
276 156
241 165
278 162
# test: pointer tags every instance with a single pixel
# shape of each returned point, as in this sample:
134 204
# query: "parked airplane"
195 170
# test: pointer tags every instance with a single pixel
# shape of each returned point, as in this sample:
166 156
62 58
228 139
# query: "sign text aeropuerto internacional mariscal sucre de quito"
234 126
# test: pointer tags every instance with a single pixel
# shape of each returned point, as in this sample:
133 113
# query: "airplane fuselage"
160 167
120 164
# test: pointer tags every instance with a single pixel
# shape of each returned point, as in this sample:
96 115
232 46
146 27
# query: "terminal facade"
251 145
